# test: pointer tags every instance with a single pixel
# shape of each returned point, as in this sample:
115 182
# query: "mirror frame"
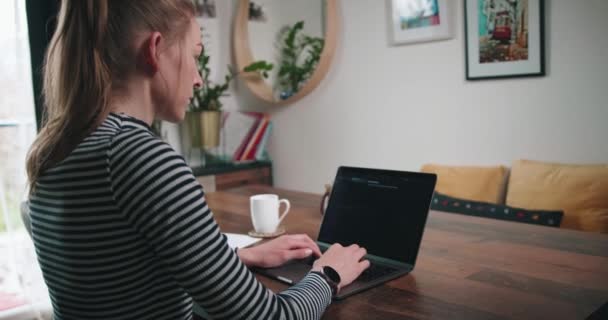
243 55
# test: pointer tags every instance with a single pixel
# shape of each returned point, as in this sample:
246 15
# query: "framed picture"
413 21
205 8
504 38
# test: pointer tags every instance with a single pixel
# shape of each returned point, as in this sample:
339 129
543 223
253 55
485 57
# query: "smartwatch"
332 277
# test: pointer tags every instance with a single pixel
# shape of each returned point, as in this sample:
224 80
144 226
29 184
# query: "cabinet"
226 176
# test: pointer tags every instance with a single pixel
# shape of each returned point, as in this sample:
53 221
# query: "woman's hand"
348 261
278 251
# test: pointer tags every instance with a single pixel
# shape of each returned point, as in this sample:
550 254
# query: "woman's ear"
150 52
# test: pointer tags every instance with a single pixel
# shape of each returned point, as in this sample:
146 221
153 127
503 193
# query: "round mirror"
297 37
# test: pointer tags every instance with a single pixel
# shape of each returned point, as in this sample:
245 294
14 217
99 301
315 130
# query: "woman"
120 224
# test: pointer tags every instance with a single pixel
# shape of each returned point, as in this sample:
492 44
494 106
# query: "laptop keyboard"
375 271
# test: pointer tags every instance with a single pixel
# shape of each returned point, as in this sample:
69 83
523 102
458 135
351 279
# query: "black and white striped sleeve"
159 196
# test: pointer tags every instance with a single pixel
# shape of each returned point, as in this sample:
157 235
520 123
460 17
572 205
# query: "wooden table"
468 267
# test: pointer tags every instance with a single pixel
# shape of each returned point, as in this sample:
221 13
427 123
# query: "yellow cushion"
485 184
581 191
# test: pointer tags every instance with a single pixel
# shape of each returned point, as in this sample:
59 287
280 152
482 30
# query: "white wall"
399 107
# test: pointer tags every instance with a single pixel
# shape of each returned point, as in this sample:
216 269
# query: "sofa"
536 191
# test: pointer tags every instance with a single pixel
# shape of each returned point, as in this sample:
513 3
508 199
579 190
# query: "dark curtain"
41 18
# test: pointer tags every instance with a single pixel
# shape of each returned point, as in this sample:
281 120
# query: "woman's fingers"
313 245
363 264
298 254
303 241
360 253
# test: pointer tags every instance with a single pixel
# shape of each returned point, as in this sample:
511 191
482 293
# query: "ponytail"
89 57
76 84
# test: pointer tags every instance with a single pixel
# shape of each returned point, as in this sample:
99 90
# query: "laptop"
383 211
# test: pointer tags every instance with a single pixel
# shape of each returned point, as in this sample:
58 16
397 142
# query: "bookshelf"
231 175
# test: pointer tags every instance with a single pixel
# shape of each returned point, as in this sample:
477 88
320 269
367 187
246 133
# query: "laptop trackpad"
291 272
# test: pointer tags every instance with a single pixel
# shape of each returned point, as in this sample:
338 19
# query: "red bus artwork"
502 27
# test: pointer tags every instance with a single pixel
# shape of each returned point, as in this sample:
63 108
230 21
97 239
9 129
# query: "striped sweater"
122 231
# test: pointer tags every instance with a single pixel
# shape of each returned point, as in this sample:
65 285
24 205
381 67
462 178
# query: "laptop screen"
383 211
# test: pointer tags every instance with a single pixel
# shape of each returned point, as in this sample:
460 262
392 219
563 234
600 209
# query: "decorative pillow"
581 191
485 184
446 203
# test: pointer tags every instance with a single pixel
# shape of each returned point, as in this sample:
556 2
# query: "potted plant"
204 113
300 54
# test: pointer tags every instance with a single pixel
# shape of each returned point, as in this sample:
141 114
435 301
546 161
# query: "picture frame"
413 21
205 8
504 39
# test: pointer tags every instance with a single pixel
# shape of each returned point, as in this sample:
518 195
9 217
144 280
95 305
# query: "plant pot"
204 128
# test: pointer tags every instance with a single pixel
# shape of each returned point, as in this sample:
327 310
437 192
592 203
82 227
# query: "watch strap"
332 284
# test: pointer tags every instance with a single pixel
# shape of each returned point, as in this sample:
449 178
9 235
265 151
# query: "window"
23 294
17 118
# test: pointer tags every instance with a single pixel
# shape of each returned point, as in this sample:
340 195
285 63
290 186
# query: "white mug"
265 212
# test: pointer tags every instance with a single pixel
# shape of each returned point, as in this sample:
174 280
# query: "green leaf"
208 96
299 56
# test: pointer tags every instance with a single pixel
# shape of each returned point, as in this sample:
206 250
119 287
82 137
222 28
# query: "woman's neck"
135 101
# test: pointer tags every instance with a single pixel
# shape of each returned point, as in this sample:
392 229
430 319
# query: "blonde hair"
91 54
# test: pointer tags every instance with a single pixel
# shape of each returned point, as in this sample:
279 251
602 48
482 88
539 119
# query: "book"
260 152
236 240
236 126
249 153
245 141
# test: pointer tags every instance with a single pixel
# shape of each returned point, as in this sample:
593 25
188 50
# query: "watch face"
332 274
